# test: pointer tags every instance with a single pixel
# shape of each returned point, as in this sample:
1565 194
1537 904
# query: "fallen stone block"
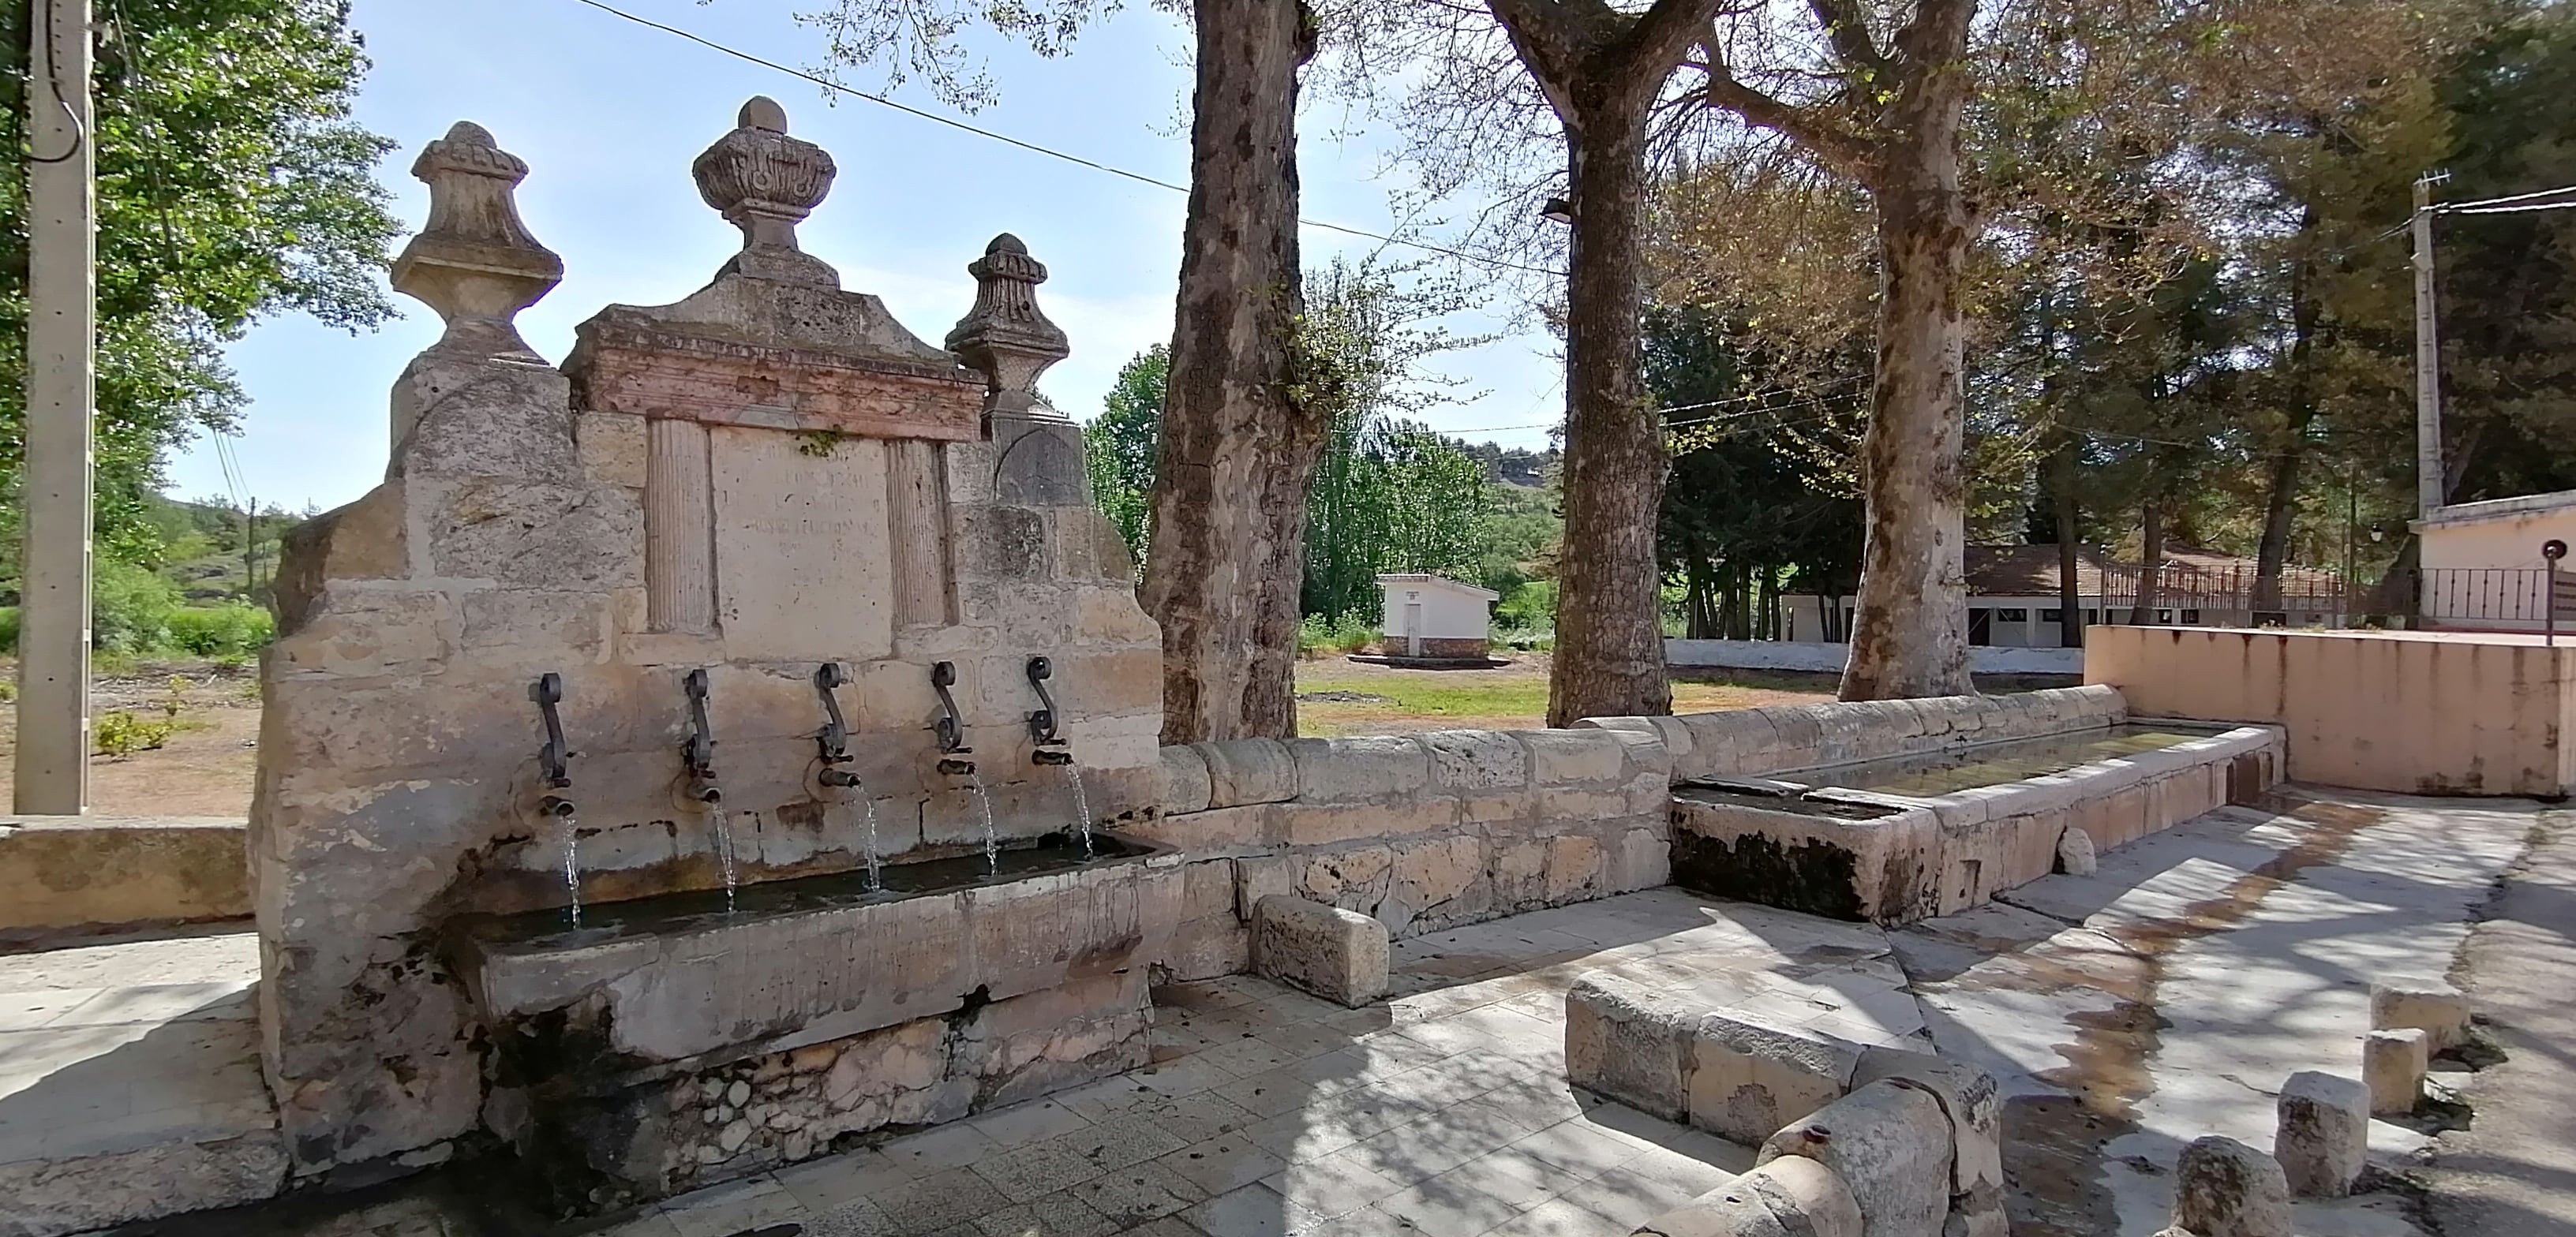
2439 1009
1890 1145
1336 954
1627 1041
2223 1188
2393 1065
2323 1140
1789 1197
1973 1103
1748 1079
2075 855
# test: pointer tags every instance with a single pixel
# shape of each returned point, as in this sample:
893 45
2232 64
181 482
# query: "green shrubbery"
1349 634
136 613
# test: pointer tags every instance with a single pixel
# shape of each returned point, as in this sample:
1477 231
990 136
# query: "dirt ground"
202 769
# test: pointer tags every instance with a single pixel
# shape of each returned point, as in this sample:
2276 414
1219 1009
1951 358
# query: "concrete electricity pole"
54 617
2428 355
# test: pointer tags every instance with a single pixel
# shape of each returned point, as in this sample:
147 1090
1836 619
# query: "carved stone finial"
474 261
1006 335
764 182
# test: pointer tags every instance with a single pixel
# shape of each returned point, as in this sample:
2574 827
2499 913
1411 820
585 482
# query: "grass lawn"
1340 697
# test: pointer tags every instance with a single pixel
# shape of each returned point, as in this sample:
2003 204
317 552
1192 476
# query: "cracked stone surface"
2170 994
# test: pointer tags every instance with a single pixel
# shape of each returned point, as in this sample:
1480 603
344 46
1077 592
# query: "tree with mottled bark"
1890 120
1228 516
1602 71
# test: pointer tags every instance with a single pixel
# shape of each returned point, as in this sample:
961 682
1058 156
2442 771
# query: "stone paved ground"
1443 1112
2514 1169
130 1067
2169 995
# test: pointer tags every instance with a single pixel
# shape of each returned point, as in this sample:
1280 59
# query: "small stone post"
2323 1139
2442 1011
2224 1188
2393 1064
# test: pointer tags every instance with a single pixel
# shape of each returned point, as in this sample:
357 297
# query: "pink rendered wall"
2419 712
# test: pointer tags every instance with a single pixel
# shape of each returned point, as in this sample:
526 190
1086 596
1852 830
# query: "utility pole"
250 550
2428 355
62 310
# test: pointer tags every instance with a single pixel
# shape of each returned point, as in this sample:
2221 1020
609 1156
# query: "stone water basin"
1904 838
796 962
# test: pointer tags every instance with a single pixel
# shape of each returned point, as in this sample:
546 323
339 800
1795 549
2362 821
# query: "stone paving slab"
1443 1111
2189 977
130 1083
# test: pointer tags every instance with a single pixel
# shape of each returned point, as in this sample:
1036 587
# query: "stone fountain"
659 772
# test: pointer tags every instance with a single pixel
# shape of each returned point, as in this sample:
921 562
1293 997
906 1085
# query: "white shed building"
1432 616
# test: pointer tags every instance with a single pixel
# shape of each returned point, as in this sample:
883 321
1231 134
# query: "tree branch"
1848 32
1803 125
1937 33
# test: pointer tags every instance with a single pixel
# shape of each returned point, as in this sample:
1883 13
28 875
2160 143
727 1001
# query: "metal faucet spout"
1051 756
951 766
952 730
840 778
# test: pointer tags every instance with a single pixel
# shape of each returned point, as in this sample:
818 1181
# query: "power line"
1034 148
2508 200
1715 403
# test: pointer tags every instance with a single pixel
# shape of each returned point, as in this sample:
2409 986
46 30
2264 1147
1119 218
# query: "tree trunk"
2070 584
1229 507
2151 558
1609 633
2281 493
1910 637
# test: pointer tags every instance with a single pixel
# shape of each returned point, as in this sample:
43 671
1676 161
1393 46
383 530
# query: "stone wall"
1424 832
766 476
94 871
1751 742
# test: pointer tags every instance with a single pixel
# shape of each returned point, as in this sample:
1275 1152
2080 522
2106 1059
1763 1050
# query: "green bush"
1320 635
9 628
122 733
226 631
1531 607
130 608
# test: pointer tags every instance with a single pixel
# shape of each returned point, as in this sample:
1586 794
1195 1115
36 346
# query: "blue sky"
608 115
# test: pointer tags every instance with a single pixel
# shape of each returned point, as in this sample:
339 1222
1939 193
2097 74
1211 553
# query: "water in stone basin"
674 911
1995 764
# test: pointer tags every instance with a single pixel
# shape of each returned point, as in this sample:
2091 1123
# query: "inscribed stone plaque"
803 568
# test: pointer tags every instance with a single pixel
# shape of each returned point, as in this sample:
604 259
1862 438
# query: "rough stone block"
1186 784
1561 758
2075 855
1638 859
2223 1188
1748 1079
1260 877
1806 1196
2442 1011
1629 1042
612 447
1244 771
1973 1103
2393 1064
1365 770
1891 1145
2323 1140
1477 761
1336 954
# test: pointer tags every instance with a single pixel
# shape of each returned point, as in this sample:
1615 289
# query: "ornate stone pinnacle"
764 182
1006 335
474 261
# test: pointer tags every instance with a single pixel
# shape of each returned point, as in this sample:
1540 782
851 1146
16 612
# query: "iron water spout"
547 692
698 755
834 738
952 731
1045 736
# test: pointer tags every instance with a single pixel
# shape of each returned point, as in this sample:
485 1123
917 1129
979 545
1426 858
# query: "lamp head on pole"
1558 210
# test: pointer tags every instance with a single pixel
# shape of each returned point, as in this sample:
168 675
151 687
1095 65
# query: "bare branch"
1803 125
1847 29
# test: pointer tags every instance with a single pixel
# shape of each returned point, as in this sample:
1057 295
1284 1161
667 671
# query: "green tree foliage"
1121 445
1390 496
232 186
1754 508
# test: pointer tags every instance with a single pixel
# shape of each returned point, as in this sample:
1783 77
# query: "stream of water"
868 807
724 852
992 841
572 867
1081 809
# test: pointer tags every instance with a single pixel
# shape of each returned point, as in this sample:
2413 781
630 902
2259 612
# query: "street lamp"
1557 209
